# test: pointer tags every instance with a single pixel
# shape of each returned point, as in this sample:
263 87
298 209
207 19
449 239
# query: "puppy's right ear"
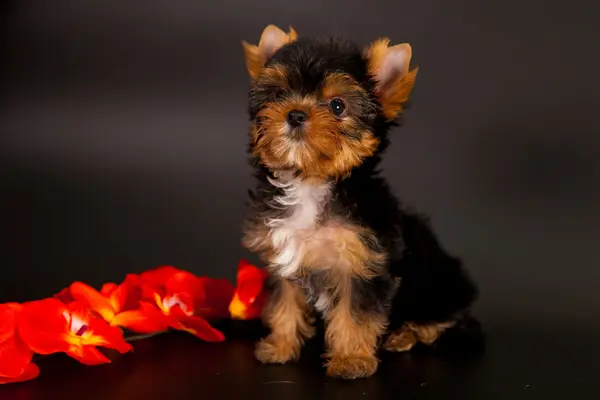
389 67
271 40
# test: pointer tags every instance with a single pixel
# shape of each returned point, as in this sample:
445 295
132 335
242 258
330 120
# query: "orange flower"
15 356
249 297
186 301
119 305
49 326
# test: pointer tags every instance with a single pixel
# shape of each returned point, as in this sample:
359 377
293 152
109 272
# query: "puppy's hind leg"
406 337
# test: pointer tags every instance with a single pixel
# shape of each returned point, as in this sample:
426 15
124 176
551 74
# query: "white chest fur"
304 204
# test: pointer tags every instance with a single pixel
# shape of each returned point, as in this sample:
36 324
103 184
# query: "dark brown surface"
513 364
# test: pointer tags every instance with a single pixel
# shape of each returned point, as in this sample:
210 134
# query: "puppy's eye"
337 107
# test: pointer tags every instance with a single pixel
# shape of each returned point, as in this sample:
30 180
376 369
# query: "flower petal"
254 310
15 356
108 288
42 326
186 282
158 276
93 299
127 295
145 290
8 319
237 309
201 328
64 295
102 334
146 319
31 372
88 355
219 293
250 280
78 315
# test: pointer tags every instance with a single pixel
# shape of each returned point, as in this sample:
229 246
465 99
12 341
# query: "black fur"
433 287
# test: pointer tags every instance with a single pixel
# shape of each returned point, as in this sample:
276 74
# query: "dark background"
123 131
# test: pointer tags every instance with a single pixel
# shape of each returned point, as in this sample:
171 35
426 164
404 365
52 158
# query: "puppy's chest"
307 235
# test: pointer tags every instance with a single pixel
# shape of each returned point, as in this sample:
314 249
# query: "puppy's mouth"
294 133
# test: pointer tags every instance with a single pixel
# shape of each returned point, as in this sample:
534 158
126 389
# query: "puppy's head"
318 107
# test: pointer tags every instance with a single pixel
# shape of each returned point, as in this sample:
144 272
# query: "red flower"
64 296
49 326
249 297
119 305
15 356
186 301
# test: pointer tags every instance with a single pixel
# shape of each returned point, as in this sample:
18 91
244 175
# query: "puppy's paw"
430 333
352 367
400 340
277 350
410 334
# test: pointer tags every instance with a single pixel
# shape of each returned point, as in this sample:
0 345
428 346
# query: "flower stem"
140 337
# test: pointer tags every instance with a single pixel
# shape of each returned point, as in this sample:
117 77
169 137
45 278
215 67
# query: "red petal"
102 334
31 372
215 304
93 299
88 355
118 297
158 276
247 271
128 294
14 357
185 282
64 296
80 311
200 328
248 291
145 290
147 319
43 327
254 310
250 280
108 288
14 354
8 319
243 263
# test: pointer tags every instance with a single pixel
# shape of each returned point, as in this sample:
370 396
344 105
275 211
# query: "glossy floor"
512 364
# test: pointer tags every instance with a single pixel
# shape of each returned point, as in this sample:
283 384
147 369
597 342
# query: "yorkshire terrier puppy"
335 239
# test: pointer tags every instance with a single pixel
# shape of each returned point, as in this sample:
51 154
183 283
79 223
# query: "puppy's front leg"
354 326
286 313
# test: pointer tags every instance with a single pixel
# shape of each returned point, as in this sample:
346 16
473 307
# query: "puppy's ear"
389 67
271 40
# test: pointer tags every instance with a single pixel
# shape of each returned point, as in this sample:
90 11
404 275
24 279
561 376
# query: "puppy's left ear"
389 67
271 40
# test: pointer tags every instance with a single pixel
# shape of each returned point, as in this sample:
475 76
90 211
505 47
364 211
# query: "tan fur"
325 154
394 94
287 316
339 84
257 56
410 334
335 246
351 338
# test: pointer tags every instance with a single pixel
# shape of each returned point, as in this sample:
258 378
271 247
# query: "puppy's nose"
296 118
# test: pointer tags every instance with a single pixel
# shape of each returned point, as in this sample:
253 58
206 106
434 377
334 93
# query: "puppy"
336 241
